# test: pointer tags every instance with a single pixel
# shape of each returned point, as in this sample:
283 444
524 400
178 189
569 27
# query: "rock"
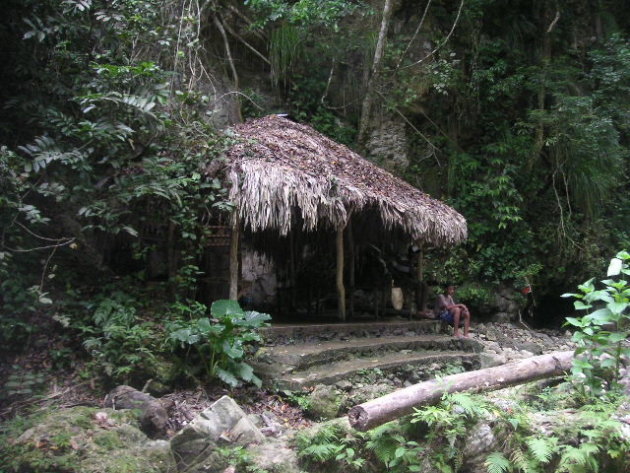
388 143
344 385
88 440
153 416
224 422
275 455
479 441
324 402
528 346
488 360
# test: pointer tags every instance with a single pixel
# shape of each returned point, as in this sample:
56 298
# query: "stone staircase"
299 356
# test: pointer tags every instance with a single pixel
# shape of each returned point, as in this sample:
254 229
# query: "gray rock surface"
223 423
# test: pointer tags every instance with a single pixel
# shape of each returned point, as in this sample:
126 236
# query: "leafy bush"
602 333
120 344
220 341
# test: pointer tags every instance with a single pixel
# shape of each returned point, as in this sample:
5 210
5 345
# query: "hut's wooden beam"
421 289
234 266
351 268
341 290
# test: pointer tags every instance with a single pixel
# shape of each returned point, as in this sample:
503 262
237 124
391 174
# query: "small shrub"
220 341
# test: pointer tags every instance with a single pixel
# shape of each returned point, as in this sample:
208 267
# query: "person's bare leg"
456 314
466 323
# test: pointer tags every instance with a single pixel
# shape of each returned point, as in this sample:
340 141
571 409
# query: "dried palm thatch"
279 169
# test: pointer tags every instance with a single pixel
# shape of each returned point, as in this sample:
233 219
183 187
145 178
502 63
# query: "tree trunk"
366 108
400 403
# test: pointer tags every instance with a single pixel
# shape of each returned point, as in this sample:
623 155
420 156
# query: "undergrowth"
539 433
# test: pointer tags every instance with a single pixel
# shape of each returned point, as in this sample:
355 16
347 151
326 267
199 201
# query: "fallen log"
400 403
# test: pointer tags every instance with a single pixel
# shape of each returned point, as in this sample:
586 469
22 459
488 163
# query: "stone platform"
298 356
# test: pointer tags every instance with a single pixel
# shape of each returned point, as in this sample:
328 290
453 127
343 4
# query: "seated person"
452 313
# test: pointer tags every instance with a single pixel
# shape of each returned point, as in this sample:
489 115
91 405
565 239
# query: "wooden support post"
292 276
351 275
421 289
341 290
234 247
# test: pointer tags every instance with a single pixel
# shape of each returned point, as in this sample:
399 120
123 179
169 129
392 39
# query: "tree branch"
439 46
58 245
249 46
402 56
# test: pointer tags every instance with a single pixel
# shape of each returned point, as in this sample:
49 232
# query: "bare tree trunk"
368 100
400 403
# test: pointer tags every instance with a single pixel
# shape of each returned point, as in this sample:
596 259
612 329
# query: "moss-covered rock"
324 402
85 440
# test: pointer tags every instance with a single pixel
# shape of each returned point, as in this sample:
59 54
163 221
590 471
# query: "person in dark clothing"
452 313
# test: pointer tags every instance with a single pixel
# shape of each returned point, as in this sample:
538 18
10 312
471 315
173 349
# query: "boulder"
275 455
324 402
223 423
153 415
86 440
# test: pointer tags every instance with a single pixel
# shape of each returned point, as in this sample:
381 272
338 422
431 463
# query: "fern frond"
541 449
522 461
497 463
321 452
584 455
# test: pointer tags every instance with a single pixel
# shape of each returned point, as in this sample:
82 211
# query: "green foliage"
22 383
396 452
304 12
601 333
121 345
220 341
588 440
447 424
497 463
474 295
327 447
299 399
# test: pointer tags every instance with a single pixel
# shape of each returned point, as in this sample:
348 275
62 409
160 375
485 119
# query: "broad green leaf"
587 286
233 351
614 268
579 305
227 377
617 337
185 335
598 296
225 307
253 319
600 316
244 371
575 322
623 255
617 307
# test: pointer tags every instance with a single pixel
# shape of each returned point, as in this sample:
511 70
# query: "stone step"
289 333
279 360
351 369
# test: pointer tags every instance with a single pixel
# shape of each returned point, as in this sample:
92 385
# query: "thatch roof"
279 167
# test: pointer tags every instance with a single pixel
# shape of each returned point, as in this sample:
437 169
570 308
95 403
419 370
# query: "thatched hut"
285 177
